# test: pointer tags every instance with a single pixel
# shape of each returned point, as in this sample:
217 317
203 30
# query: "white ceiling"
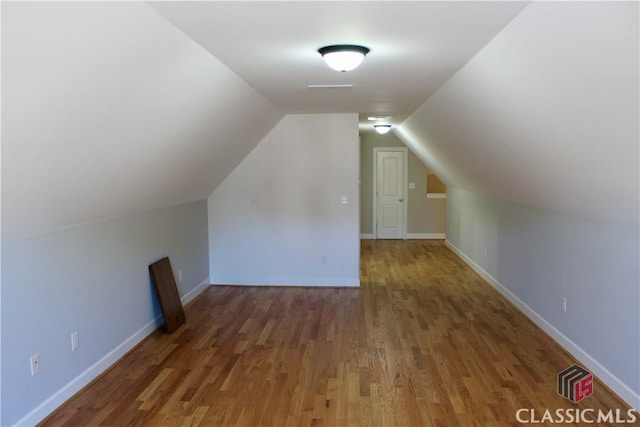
110 110
415 48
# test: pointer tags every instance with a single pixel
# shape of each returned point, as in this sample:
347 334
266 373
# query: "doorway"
390 176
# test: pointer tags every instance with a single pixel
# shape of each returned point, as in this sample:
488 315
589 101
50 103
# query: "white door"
390 195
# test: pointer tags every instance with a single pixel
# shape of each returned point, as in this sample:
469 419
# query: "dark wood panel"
168 296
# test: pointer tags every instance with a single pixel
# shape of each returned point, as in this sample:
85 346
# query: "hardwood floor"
423 342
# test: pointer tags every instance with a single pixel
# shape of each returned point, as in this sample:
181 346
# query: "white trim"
436 195
368 236
54 401
193 293
426 236
405 191
613 382
286 282
292 285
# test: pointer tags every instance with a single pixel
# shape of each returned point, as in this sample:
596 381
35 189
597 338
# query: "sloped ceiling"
273 45
546 114
108 110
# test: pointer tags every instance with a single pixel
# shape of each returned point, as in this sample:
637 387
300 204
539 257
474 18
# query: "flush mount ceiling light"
378 118
382 129
343 57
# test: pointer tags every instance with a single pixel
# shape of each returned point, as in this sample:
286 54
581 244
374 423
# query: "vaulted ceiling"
547 114
114 108
273 46
108 110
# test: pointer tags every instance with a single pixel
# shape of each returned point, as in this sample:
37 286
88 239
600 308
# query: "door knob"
401 200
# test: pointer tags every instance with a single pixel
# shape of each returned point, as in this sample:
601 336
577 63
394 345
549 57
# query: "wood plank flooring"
423 342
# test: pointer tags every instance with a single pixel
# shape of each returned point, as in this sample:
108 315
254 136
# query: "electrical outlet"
564 305
35 364
323 259
75 341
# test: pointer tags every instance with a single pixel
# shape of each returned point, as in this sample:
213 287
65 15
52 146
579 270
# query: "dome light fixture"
382 129
343 57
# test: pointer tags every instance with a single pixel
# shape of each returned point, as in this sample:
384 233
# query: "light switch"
412 186
344 200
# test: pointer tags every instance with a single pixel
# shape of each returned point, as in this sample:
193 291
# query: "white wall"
279 211
92 279
540 256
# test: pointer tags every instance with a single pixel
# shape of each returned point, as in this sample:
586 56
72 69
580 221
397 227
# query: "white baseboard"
346 283
190 296
94 371
426 236
614 383
420 236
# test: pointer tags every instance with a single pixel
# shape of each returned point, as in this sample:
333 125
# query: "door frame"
405 152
